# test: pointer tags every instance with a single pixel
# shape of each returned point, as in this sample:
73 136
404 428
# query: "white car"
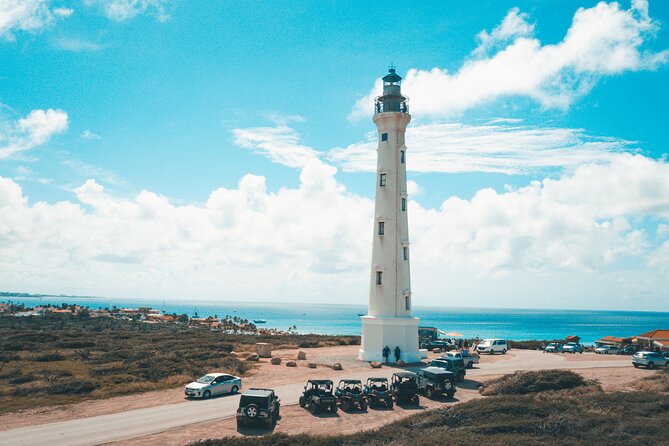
607 350
493 346
213 384
649 360
469 358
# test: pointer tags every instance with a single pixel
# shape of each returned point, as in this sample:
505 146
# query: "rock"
312 365
301 355
291 364
436 350
375 364
337 366
234 354
481 389
253 357
401 363
276 360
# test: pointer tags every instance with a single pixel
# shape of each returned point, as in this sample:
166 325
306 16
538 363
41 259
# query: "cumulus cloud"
31 131
27 15
508 149
121 10
603 40
313 242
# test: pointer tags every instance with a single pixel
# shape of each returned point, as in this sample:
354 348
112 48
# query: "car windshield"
571 344
206 379
486 342
552 345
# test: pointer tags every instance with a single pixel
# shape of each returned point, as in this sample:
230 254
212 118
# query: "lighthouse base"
391 332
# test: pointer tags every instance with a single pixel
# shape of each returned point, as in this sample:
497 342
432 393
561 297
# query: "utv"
318 396
379 393
350 395
258 406
433 381
405 388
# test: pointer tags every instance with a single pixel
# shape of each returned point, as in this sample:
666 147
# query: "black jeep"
433 381
318 396
453 365
350 395
405 388
258 406
378 392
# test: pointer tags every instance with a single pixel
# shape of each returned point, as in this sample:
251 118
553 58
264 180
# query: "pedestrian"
386 353
397 353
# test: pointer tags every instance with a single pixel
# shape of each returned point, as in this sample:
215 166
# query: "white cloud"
602 40
509 149
88 134
312 242
75 44
27 16
279 143
121 10
31 131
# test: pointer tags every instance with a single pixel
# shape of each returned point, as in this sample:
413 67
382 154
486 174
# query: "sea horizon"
343 319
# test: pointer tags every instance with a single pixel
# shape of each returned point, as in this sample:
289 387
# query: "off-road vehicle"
378 393
350 394
454 365
258 406
405 388
318 396
433 381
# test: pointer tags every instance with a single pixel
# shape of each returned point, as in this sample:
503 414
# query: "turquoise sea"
516 324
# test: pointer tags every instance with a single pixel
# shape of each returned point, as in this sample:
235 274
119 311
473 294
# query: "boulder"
436 350
301 355
375 364
291 364
337 366
401 363
234 354
276 360
253 357
312 365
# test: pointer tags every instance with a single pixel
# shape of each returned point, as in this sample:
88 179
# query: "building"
654 340
390 322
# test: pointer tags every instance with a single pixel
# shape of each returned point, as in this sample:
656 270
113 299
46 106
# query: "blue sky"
174 100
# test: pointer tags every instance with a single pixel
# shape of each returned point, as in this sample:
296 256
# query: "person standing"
397 353
386 353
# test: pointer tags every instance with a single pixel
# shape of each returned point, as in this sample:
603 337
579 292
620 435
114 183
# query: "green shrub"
520 383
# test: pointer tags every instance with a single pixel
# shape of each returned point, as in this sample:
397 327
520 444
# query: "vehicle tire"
333 408
345 405
470 365
302 402
636 366
429 392
651 365
504 352
234 390
206 395
313 408
363 405
492 352
240 423
390 404
415 400
461 377
251 411
451 394
268 423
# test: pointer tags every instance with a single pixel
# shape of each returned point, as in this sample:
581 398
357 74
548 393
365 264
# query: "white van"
493 346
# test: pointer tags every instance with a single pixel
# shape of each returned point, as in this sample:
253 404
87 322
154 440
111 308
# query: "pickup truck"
469 358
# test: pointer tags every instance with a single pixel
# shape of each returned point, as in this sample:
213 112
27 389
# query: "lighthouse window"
379 274
407 302
404 204
402 156
382 227
384 137
405 252
382 179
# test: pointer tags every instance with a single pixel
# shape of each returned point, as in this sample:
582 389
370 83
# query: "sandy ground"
294 419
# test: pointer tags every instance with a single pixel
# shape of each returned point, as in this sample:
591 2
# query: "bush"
49 357
520 383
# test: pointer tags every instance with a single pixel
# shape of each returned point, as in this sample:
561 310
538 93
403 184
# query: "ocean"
516 324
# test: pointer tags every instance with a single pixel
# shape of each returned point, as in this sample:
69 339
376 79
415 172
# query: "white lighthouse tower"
389 322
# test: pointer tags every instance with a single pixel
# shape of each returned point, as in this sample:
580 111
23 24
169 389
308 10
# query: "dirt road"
146 421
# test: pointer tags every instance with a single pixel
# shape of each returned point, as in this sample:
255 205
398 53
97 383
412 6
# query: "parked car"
553 347
454 365
469 358
443 345
493 346
573 347
258 406
213 384
378 393
350 394
433 381
649 360
629 349
404 386
607 350
318 396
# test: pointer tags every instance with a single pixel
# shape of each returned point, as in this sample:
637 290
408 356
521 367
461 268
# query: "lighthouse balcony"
385 104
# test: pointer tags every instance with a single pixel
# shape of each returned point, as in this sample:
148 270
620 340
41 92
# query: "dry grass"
521 383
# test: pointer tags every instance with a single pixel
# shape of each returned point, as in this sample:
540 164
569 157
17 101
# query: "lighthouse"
389 322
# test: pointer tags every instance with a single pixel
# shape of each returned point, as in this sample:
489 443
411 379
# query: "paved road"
141 422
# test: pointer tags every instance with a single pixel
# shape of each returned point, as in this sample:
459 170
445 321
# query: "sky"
226 150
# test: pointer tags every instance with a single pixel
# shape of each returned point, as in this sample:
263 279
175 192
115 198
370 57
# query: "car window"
206 379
